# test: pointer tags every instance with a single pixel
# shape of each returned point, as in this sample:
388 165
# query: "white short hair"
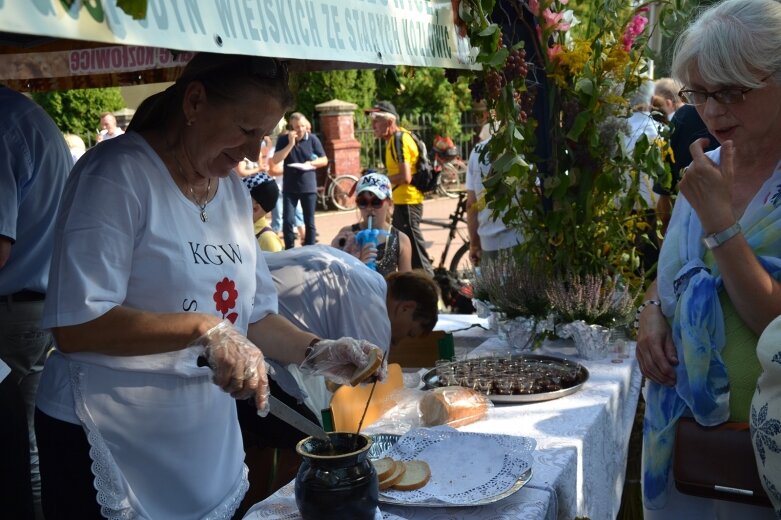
387 116
667 88
735 42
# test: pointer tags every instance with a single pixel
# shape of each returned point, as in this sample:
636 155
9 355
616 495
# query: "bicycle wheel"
452 178
342 192
461 264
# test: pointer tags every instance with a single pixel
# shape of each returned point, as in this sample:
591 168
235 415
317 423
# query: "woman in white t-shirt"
156 273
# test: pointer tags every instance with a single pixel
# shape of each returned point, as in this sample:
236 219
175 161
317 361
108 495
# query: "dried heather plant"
513 286
599 300
479 289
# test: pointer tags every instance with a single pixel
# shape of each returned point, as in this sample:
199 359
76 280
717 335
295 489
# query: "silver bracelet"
640 310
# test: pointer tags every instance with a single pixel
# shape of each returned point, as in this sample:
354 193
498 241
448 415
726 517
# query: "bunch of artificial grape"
525 101
516 67
494 83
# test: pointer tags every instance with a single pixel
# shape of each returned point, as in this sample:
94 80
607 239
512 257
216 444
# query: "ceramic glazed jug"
336 481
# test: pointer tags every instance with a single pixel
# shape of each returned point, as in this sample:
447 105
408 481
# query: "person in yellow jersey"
401 156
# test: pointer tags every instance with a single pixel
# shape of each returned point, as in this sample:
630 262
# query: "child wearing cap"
394 250
265 192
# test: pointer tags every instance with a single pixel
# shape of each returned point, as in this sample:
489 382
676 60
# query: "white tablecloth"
580 460
468 330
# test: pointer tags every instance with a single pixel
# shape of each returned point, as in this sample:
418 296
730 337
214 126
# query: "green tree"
313 88
78 111
674 17
429 91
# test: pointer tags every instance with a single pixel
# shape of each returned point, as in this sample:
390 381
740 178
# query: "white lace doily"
466 468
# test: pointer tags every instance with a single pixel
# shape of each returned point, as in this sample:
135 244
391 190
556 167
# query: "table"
580 460
468 331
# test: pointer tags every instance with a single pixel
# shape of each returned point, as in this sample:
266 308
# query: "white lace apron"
163 446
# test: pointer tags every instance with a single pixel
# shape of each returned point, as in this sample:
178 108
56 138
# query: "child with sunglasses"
394 250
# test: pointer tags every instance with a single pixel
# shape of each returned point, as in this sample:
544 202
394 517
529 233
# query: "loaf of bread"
453 405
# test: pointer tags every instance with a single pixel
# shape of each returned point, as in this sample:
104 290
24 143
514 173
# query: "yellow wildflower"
616 61
575 59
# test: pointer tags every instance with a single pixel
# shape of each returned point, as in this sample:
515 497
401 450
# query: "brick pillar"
338 128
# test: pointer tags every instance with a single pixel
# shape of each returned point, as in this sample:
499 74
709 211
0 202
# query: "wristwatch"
311 348
714 240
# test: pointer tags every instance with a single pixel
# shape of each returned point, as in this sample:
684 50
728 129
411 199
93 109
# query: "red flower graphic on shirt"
225 297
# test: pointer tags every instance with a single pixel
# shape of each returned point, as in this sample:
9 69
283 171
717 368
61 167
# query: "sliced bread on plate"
416 475
384 467
398 471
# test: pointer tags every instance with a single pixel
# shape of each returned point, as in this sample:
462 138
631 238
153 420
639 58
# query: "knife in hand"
286 414
295 419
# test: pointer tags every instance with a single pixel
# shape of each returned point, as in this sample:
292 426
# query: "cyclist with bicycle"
487 236
394 249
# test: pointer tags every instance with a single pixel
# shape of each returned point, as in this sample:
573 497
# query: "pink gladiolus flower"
534 6
554 21
551 19
638 24
554 51
633 30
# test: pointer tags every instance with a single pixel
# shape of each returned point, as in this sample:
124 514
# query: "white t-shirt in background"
494 235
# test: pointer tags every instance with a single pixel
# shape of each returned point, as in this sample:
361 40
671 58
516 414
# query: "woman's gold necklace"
201 205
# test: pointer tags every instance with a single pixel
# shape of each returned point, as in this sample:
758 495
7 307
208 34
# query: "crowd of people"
149 307
122 272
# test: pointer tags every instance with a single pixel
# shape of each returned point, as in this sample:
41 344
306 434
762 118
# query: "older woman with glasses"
717 286
393 250
163 308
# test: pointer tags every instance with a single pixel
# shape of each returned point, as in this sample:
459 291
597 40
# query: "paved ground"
437 209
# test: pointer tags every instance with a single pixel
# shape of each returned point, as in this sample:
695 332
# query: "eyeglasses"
365 202
725 96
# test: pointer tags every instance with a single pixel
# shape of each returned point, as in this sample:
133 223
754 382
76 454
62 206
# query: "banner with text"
380 32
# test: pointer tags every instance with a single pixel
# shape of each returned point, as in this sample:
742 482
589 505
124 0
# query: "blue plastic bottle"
369 236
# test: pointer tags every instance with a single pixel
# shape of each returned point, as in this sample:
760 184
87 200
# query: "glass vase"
592 342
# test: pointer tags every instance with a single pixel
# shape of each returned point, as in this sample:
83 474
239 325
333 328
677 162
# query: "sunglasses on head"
212 65
365 202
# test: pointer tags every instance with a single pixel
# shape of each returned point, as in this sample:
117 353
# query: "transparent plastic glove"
338 360
238 365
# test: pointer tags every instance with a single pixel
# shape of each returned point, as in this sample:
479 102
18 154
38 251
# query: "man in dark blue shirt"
302 154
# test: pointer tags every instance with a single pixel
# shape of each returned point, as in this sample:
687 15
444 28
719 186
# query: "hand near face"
292 136
708 186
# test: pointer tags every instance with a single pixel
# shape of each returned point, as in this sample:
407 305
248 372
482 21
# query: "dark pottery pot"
336 481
